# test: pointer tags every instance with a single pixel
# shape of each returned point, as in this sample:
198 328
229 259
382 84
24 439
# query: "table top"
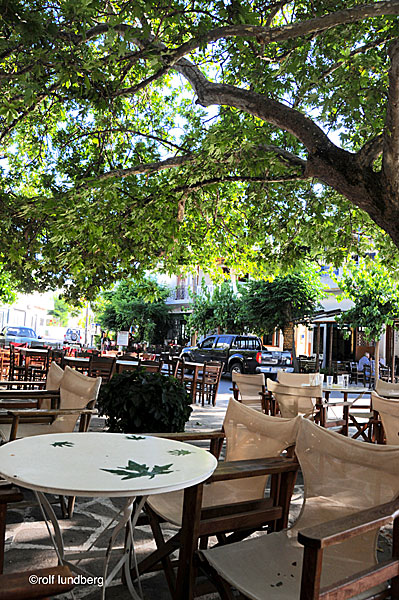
104 464
133 363
79 359
348 389
33 351
193 365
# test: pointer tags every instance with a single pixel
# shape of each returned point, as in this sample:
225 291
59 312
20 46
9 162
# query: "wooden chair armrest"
31 394
334 532
241 469
9 493
52 412
186 436
38 384
16 586
17 404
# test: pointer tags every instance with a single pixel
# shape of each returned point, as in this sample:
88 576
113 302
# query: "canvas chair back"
249 387
388 410
294 379
77 391
53 382
249 434
342 477
294 401
387 389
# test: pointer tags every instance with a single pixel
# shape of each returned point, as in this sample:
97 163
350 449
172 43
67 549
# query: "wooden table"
81 363
29 354
346 404
103 465
126 365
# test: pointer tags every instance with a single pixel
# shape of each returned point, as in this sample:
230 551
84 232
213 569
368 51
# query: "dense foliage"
141 402
220 310
274 304
170 134
61 311
8 287
375 294
259 307
138 306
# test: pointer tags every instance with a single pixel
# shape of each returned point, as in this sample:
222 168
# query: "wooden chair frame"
241 519
16 586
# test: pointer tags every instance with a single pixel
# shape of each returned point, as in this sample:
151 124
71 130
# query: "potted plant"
139 402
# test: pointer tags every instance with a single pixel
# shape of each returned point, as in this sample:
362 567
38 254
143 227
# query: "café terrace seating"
249 435
351 491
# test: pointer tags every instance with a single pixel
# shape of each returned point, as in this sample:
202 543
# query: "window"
242 343
208 343
272 339
21 331
223 341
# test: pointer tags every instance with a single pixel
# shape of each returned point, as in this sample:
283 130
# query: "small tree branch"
141 169
289 31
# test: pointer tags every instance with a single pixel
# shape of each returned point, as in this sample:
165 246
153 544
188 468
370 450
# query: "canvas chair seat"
249 434
342 477
77 391
278 557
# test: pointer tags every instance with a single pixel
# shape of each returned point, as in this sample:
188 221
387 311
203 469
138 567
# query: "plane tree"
173 133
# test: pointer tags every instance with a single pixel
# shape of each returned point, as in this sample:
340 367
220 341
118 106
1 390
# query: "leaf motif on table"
135 437
134 470
63 444
179 452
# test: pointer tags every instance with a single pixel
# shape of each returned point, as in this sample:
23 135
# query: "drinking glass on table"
330 380
346 380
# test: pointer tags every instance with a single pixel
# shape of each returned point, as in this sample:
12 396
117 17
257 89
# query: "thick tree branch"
390 163
275 113
370 151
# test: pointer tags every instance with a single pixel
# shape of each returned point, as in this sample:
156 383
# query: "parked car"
72 336
239 353
20 335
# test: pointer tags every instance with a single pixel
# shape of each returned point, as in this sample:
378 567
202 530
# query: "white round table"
103 464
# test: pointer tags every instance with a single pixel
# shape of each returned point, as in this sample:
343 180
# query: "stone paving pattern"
28 545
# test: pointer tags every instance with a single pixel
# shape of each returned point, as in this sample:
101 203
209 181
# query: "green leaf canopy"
166 135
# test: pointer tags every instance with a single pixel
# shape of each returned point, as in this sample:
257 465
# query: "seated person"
365 360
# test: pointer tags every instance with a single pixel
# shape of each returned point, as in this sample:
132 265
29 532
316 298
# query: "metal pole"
330 349
87 322
318 348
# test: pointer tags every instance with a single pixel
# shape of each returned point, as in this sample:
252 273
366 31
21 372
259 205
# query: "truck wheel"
236 368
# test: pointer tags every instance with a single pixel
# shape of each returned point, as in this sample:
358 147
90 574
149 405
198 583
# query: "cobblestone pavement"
27 540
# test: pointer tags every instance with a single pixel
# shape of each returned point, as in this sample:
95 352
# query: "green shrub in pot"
139 402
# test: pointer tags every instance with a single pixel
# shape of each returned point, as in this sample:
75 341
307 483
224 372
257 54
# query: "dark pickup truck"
240 354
